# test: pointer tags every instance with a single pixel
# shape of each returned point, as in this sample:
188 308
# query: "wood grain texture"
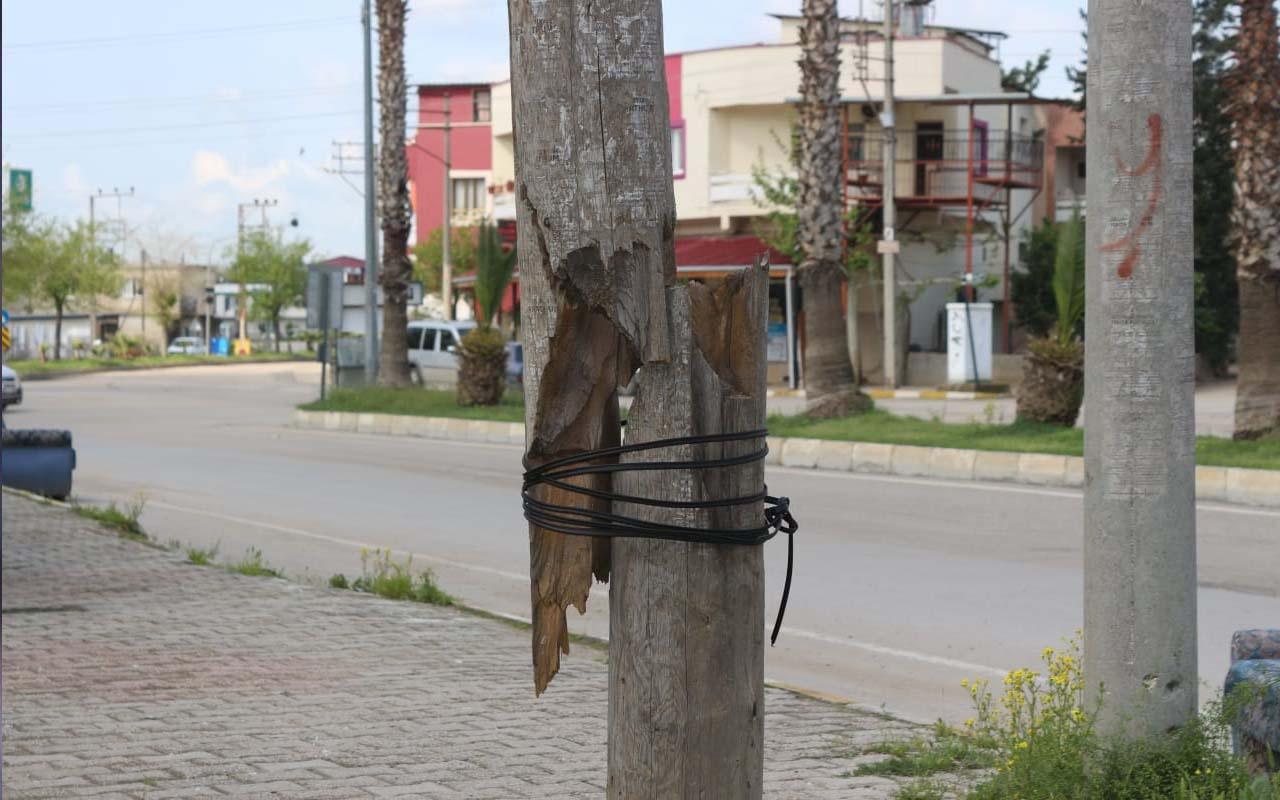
595 222
686 656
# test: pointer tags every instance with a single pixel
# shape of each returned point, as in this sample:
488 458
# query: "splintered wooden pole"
686 621
595 216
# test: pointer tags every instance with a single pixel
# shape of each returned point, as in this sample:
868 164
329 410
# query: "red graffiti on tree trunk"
1152 164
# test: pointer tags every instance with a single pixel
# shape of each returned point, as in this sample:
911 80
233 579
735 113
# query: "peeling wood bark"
595 217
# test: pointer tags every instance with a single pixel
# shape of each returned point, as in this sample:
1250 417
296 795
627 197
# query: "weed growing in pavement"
252 564
1039 734
382 575
339 581
922 790
122 520
945 751
202 557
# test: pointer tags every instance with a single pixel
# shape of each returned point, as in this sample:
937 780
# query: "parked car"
12 388
185 346
433 347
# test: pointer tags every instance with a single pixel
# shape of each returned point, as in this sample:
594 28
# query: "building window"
853 144
481 106
132 288
468 194
677 150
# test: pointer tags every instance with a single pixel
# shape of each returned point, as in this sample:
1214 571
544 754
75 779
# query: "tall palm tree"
393 194
828 375
1254 87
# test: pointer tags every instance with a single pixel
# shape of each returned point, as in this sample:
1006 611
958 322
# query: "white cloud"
209 167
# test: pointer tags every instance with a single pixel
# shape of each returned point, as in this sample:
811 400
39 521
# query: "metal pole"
1008 224
1139 433
142 289
208 304
446 265
968 213
791 335
889 198
370 224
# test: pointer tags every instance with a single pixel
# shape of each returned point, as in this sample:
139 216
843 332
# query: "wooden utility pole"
596 221
1139 521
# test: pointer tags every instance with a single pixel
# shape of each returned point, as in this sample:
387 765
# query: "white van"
433 344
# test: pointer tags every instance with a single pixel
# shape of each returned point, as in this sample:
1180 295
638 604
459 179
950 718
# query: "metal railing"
935 165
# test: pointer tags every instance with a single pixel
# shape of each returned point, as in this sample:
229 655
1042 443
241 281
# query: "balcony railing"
942 167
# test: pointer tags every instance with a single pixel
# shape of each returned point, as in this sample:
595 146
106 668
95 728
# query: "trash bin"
220 346
38 461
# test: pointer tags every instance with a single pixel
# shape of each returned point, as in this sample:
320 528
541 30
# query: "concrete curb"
54 375
1255 487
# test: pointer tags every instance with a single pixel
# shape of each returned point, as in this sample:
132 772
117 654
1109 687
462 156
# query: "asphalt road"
902 586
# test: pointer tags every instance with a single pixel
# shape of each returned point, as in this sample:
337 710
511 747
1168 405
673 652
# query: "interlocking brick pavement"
129 673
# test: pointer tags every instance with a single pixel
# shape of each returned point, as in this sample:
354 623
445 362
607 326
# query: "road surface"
902 586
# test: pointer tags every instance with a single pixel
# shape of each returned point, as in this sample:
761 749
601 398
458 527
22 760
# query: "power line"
148 128
173 36
178 100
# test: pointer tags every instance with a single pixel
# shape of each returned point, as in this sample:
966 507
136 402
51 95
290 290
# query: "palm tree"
1254 87
393 189
1053 370
829 380
482 354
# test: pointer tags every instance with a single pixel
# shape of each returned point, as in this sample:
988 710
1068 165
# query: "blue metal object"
39 461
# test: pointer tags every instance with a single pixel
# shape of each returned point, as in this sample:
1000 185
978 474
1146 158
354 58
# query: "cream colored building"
969 159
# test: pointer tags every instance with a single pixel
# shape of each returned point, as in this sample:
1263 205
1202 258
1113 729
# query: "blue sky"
200 106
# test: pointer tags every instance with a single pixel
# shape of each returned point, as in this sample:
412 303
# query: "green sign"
20 189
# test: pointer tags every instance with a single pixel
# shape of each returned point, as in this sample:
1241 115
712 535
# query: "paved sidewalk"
128 673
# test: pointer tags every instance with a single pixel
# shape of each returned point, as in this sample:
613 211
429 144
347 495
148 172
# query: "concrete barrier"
1256 487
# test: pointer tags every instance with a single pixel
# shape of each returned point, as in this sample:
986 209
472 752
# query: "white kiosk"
969 336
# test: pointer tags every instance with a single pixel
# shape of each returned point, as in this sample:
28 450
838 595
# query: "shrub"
482 367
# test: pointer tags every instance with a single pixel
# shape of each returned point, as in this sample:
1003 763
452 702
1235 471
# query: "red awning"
724 252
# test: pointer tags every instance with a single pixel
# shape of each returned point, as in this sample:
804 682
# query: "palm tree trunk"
57 330
1254 87
393 362
829 382
1258 360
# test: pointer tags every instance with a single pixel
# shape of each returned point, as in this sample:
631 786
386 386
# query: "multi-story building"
971 168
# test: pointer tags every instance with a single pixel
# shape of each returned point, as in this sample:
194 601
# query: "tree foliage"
1031 288
428 257
1217 311
278 272
495 264
1025 78
54 264
1068 279
163 296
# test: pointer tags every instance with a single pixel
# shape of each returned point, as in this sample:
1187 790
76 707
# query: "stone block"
1255 487
910 460
994 465
1211 483
872 457
953 463
836 456
800 452
1042 469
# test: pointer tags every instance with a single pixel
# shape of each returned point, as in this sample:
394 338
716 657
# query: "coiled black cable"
576 521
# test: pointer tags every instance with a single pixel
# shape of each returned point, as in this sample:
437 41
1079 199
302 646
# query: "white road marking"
334 539
855 644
